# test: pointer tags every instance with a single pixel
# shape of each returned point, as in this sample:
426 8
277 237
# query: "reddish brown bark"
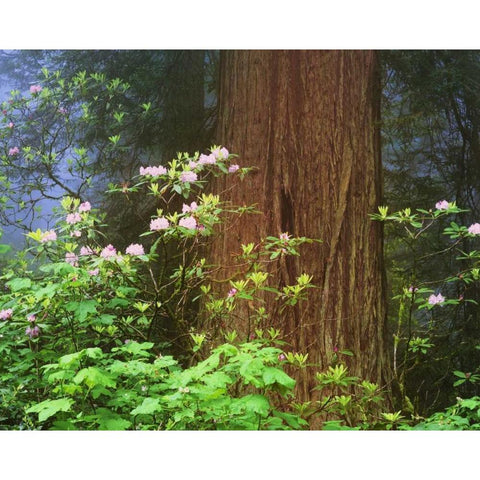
309 121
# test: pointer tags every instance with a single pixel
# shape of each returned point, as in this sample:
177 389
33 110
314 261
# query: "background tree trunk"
309 121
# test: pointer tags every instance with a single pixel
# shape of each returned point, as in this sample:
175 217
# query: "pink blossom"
159 224
282 357
153 171
442 205
109 251
35 89
188 176
32 332
84 207
435 299
11 125
31 318
189 208
188 222
86 251
76 233
6 314
474 229
233 168
412 289
48 236
71 258
73 218
284 237
192 165
135 249
232 292
14 151
207 159
94 272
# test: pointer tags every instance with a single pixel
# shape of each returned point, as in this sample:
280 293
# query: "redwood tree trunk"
309 121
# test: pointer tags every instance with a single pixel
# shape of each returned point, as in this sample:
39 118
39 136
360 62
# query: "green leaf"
93 376
48 408
148 406
82 309
256 403
19 284
4 248
273 375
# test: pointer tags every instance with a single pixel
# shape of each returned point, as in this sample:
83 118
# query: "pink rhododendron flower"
436 299
232 292
135 249
48 236
109 251
86 251
6 314
442 205
73 218
159 224
94 272
474 229
14 151
189 208
153 171
188 222
84 207
32 332
284 237
282 357
207 159
76 233
35 89
71 258
233 168
412 289
11 125
188 176
31 318
192 164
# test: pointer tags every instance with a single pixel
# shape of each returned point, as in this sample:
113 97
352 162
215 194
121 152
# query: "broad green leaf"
256 403
19 284
82 309
93 376
4 248
148 406
48 408
273 375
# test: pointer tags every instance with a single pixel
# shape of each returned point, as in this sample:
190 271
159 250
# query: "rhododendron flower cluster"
31 318
232 292
71 258
188 222
10 125
94 272
436 299
220 153
474 229
207 159
35 89
73 218
233 168
109 251
32 332
48 236
189 208
84 207
159 224
6 314
76 233
188 176
135 249
153 171
442 205
86 251
14 151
